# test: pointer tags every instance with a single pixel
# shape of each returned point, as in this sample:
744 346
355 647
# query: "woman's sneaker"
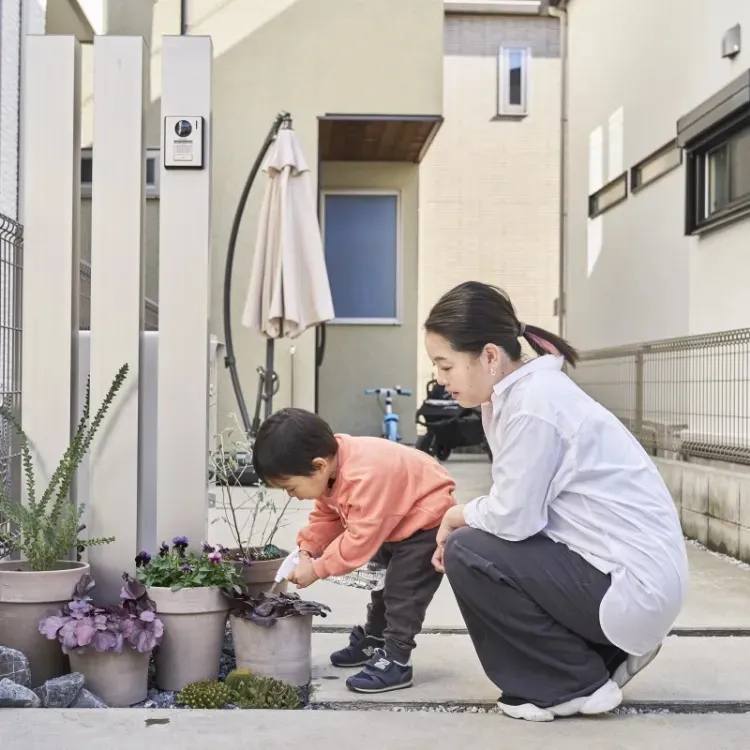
601 701
361 649
632 666
381 675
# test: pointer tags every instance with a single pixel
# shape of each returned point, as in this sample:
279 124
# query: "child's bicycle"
390 418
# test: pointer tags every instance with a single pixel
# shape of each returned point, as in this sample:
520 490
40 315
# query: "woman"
573 569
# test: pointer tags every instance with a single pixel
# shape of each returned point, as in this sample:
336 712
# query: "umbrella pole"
229 360
268 377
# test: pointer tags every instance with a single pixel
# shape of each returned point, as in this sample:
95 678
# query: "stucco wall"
489 186
647 280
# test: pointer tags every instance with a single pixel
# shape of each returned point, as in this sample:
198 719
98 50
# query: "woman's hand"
452 520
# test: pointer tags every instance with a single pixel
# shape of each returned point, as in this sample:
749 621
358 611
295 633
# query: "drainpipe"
183 17
558 9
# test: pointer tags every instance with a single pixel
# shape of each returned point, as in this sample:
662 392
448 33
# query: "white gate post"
184 298
117 302
51 207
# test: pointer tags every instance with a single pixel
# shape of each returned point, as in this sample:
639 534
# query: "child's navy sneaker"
361 649
381 675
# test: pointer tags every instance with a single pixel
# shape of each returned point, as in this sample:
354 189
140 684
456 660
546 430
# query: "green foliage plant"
47 527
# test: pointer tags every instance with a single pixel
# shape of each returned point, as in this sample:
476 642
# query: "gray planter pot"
283 651
120 680
259 576
194 623
25 598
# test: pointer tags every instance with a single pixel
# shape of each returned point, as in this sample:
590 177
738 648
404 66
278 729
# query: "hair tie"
521 330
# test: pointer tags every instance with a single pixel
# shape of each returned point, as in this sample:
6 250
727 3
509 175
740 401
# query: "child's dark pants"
397 611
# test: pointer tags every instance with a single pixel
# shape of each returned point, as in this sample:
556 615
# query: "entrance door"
368 345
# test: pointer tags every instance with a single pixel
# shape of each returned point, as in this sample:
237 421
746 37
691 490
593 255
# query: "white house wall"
632 274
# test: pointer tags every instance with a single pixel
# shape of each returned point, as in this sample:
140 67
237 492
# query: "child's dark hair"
474 314
289 441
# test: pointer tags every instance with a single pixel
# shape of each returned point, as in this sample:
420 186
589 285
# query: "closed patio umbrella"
289 290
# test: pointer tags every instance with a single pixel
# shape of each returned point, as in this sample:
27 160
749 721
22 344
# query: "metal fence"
682 398
151 312
11 290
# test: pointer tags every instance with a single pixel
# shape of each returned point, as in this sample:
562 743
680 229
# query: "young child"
374 500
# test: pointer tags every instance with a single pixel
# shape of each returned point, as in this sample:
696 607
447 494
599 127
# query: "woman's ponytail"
544 342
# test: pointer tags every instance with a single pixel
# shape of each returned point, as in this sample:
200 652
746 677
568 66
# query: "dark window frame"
709 126
636 184
594 209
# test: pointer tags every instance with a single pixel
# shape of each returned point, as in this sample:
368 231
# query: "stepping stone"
446 670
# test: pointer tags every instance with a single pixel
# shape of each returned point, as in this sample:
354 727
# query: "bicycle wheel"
391 430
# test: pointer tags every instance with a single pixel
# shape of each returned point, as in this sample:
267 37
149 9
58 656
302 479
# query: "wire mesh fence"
151 311
682 398
11 330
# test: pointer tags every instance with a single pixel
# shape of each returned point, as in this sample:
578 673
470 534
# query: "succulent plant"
238 677
205 694
253 691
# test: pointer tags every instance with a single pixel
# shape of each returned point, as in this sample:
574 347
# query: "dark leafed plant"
80 625
176 568
253 691
265 609
48 528
204 694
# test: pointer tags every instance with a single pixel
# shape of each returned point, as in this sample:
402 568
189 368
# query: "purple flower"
224 550
187 569
164 550
180 543
215 557
246 561
206 547
142 559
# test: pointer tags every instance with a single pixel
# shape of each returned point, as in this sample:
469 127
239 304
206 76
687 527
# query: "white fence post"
117 302
51 197
184 297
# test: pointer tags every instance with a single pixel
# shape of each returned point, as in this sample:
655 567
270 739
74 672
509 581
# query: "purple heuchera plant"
81 625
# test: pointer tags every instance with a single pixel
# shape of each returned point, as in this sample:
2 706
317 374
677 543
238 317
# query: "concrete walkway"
695 695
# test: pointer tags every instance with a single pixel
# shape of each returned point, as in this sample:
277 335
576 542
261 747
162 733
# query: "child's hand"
304 574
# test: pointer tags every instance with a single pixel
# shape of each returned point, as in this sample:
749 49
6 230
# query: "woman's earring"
493 372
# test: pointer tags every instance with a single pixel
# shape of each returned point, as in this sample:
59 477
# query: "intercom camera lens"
183 128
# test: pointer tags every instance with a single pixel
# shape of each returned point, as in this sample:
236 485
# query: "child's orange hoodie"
383 492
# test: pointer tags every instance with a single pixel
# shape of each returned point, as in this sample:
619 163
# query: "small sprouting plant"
266 609
204 694
177 568
253 691
249 512
80 625
49 527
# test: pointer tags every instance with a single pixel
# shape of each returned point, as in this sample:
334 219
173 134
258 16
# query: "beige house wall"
489 186
635 276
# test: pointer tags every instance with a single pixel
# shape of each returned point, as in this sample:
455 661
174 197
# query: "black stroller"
448 425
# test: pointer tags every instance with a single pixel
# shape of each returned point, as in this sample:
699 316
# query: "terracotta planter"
259 576
25 598
120 680
194 623
283 651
